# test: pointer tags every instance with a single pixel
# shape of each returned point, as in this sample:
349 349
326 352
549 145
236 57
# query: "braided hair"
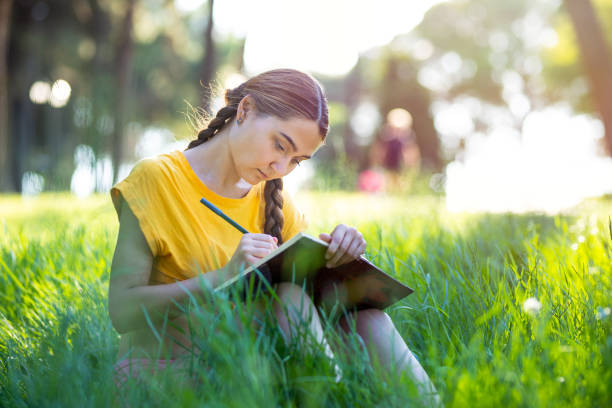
286 94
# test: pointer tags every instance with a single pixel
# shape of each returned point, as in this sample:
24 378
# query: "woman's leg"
385 344
295 310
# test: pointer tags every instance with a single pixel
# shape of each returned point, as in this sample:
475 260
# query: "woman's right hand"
251 248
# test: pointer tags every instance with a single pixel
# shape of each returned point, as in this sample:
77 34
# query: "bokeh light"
40 92
60 93
399 118
32 183
364 122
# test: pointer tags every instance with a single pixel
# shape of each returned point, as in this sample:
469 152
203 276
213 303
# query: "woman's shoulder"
149 176
154 166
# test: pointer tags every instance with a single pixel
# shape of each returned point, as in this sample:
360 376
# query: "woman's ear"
246 107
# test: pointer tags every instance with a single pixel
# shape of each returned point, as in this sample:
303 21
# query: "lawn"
508 310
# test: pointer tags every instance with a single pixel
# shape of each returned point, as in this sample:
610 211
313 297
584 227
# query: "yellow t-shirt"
185 236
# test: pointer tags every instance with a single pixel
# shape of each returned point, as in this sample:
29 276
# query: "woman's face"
266 147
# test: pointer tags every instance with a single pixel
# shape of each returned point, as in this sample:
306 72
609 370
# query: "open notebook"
358 284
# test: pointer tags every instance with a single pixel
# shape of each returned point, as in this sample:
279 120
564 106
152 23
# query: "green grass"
465 322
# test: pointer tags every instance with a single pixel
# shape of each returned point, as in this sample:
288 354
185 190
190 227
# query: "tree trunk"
208 64
5 166
596 59
352 91
123 68
99 29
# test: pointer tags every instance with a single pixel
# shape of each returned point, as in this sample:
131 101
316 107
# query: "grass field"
508 311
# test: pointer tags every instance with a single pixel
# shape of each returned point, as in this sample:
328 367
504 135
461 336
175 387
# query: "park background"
497 211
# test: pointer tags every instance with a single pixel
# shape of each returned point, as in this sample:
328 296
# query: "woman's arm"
129 291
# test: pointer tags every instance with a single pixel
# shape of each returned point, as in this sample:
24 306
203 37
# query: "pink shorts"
132 367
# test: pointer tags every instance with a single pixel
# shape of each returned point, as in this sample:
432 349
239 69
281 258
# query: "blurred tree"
400 89
596 59
336 93
5 167
562 67
519 56
473 43
352 90
484 51
461 28
123 70
208 63
40 136
131 66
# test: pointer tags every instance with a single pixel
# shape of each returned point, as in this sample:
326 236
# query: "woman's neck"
213 164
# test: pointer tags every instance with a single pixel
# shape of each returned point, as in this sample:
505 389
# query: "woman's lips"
262 173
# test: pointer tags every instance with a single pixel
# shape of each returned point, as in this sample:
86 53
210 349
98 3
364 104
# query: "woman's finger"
264 244
325 237
258 251
252 237
259 241
362 248
340 250
336 237
350 254
355 249
251 259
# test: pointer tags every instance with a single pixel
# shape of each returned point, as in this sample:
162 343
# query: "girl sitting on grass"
269 124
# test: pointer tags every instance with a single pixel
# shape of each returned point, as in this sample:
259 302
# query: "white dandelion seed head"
532 306
602 312
594 270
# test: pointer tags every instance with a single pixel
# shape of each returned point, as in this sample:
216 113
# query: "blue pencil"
222 215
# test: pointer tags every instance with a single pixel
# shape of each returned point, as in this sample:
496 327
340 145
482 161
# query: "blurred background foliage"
100 83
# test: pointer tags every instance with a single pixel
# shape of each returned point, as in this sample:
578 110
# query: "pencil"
222 215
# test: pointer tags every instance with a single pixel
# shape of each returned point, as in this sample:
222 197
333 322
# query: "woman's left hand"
345 245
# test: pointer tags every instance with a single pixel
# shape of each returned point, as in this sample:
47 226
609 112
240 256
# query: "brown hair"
286 94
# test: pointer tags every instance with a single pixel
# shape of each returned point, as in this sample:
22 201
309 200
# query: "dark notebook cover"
358 284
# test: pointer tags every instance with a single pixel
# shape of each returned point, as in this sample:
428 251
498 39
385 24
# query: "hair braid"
273 224
214 126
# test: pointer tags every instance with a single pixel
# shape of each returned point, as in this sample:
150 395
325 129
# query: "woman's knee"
293 295
367 321
295 310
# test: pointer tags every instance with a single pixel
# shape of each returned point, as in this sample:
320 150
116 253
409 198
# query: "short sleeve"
140 189
294 220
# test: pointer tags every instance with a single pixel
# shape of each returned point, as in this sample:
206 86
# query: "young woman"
168 241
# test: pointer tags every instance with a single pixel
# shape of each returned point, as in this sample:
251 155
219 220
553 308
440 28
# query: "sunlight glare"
188 6
320 36
553 165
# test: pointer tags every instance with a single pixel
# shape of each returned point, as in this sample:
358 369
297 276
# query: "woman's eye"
282 149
